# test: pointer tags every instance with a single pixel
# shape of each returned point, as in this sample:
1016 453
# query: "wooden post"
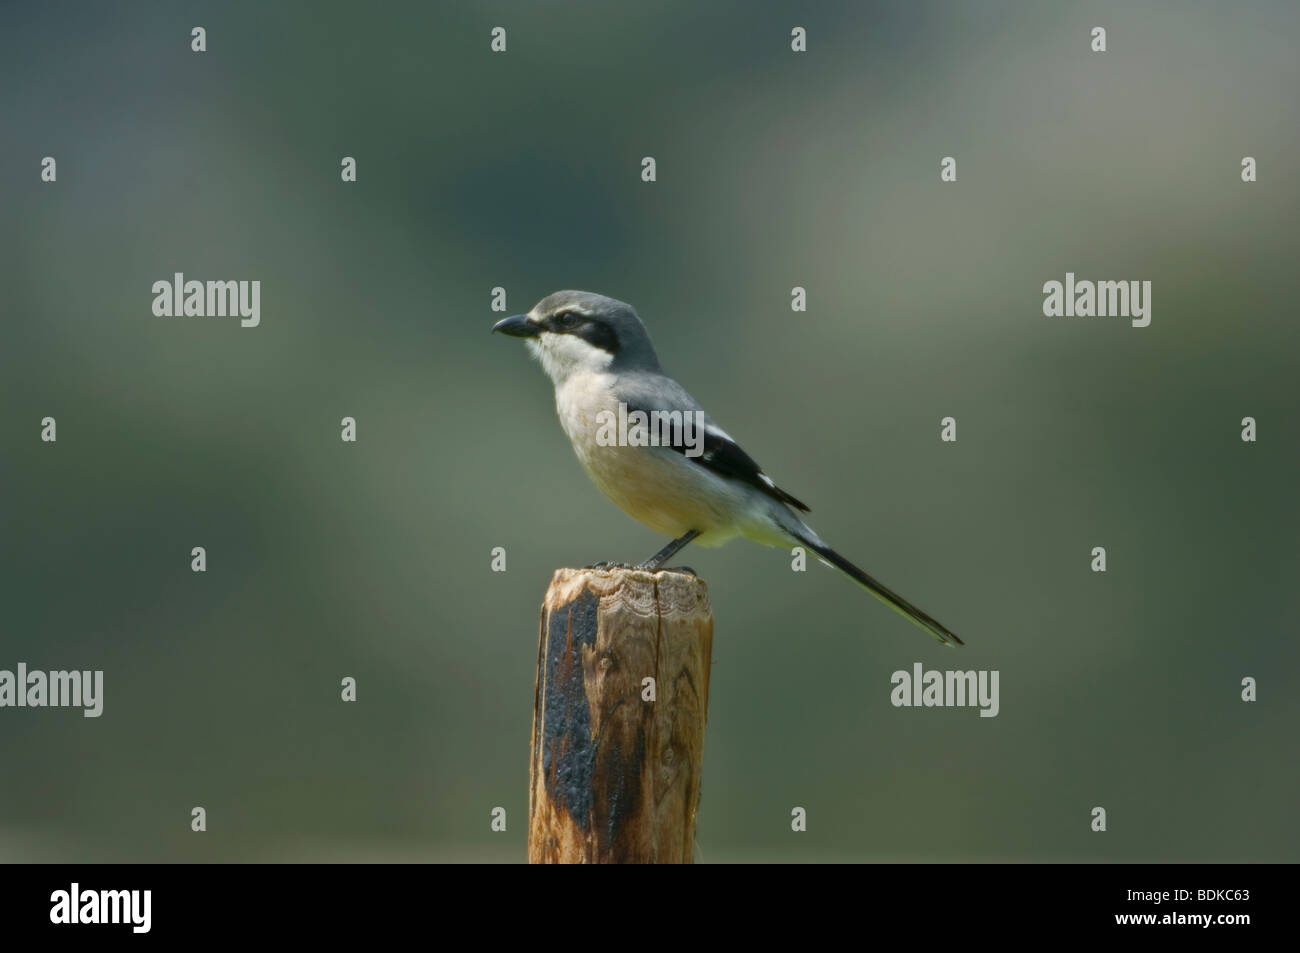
615 776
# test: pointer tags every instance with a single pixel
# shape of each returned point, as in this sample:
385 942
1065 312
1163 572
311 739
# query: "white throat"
563 355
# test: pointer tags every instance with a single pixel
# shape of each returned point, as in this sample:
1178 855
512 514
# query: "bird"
697 485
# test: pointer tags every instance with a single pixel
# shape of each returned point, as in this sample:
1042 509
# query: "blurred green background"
476 169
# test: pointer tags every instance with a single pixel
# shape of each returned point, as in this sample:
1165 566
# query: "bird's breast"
657 486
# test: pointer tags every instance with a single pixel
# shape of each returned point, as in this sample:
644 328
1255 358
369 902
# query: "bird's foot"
610 564
651 566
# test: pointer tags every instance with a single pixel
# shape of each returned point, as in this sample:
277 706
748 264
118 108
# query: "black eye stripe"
565 321
599 334
594 331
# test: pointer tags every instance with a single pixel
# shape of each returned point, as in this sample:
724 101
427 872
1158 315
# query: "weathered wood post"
618 720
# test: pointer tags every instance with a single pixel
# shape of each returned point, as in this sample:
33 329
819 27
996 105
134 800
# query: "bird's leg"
608 564
668 552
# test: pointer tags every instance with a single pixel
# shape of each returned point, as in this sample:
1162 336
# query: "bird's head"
574 332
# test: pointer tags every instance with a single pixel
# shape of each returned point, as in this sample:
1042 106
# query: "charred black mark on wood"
568 754
620 771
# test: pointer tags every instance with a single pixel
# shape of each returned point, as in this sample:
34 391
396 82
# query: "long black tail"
887 596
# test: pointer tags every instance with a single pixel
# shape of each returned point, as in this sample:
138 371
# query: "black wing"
724 457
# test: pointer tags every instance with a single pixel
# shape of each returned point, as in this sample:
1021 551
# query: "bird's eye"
566 320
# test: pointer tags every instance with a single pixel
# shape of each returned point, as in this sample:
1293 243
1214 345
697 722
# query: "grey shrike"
599 357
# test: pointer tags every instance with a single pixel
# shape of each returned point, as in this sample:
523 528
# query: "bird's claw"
643 567
608 564
652 566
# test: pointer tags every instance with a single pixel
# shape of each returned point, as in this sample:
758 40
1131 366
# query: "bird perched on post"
696 484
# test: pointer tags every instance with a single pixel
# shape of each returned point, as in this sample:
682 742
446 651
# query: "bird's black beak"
517 326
